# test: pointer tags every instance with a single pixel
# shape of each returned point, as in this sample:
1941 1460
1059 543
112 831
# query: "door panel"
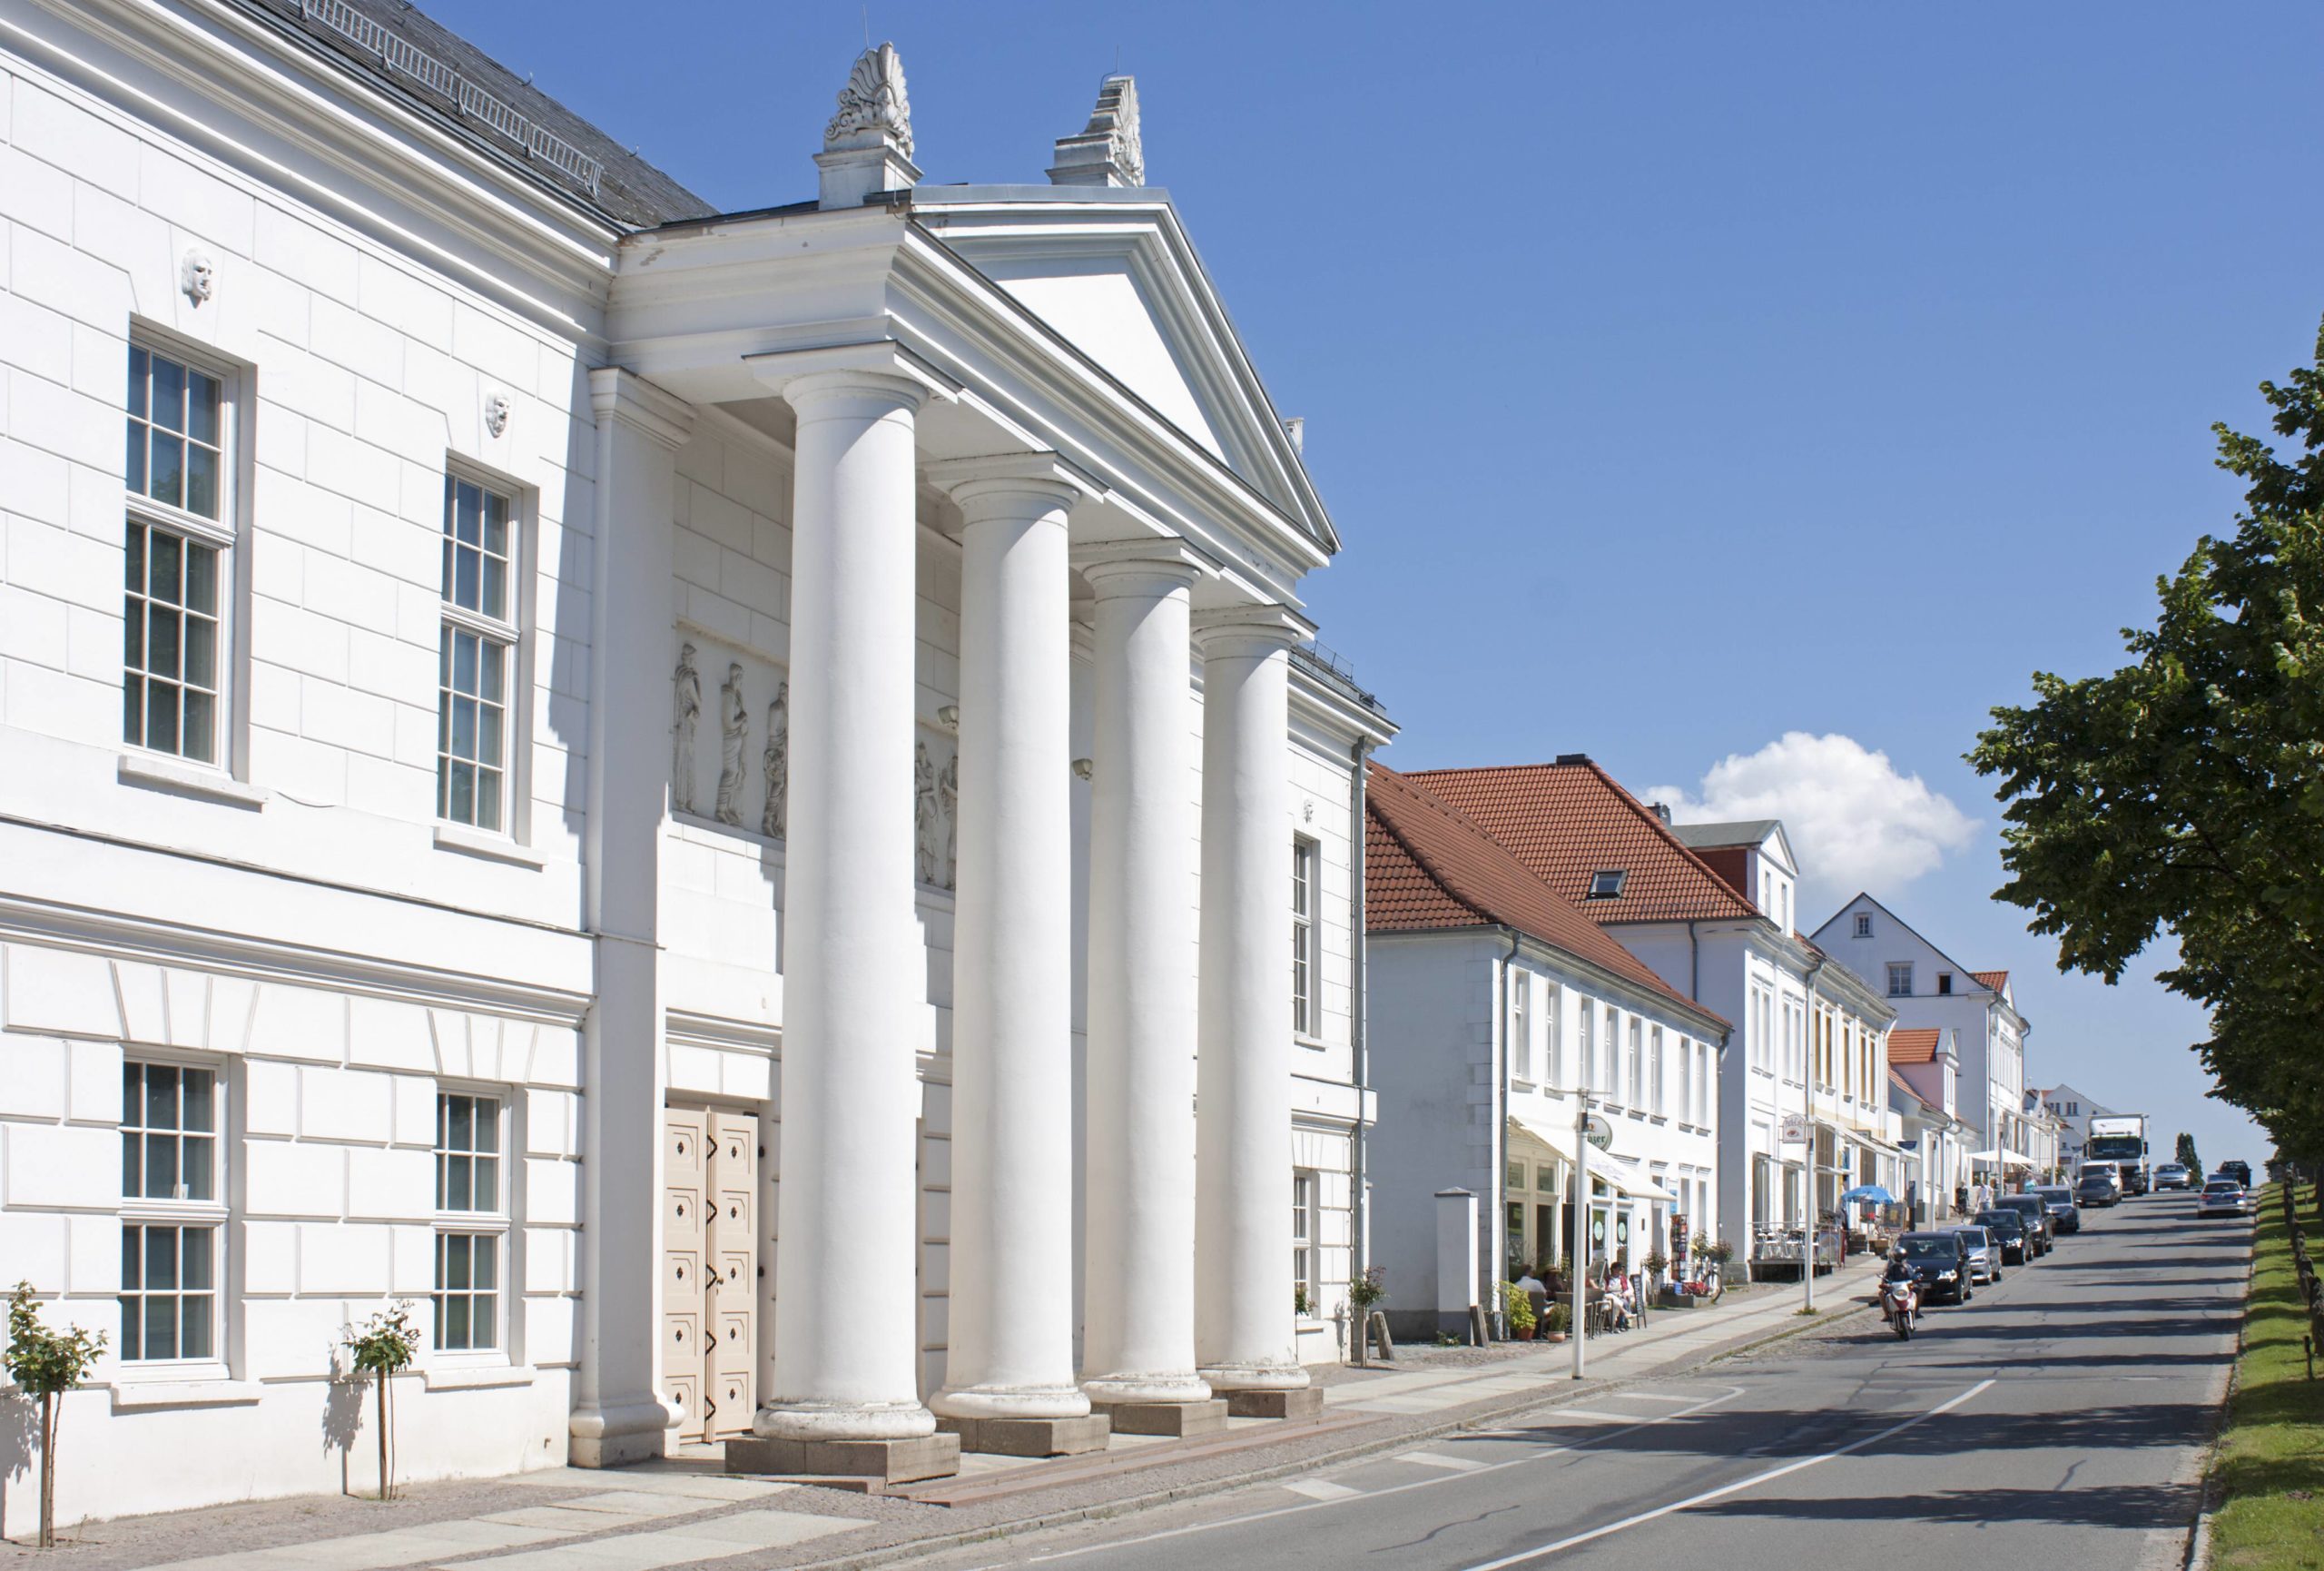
684 1243
731 1360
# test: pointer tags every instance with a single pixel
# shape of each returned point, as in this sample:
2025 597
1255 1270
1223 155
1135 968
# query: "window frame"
514 634
212 1215
1306 1236
499 1224
1864 925
1306 930
227 534
1519 1025
1900 970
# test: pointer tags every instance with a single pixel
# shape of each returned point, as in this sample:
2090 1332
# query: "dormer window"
1864 925
1944 982
1607 883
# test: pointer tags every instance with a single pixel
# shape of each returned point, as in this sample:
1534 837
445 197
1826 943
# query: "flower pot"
1527 1333
1554 1337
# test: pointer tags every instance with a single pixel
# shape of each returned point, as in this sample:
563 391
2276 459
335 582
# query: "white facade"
848 563
1927 988
2073 1111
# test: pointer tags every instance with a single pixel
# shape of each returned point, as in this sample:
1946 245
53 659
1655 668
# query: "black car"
2240 1170
2065 1216
1941 1261
2007 1226
2097 1190
2040 1233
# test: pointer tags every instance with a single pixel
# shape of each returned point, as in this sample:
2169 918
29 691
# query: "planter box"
1670 1299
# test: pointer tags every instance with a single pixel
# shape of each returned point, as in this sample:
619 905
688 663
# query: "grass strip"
2268 1474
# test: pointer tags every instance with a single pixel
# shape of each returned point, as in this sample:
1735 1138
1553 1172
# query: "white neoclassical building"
714 799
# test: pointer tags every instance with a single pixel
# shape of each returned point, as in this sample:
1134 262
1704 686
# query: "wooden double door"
710 1271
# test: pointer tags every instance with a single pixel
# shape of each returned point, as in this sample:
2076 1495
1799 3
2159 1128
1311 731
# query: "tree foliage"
45 1364
2185 1155
2184 793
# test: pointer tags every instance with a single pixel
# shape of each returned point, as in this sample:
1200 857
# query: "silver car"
1985 1254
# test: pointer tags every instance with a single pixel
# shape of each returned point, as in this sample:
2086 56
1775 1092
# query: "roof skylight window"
1607 885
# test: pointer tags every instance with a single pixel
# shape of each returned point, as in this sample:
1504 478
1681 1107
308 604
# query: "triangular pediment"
1116 279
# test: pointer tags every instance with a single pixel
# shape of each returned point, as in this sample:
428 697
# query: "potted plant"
1363 1296
380 1347
1656 1263
1301 1304
46 1364
1554 1324
1517 1308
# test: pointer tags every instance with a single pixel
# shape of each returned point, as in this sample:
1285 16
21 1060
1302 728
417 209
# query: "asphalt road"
2057 1420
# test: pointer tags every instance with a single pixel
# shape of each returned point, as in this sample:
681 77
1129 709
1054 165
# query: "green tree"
2184 793
46 1364
2185 1156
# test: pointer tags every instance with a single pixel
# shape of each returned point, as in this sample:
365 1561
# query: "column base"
1011 1402
808 1420
1165 1387
1180 1420
882 1461
1306 1404
617 1435
1256 1377
1029 1437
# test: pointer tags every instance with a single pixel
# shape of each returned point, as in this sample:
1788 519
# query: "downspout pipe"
1488 1288
1359 1010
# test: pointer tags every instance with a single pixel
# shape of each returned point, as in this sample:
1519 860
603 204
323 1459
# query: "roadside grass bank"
2268 1474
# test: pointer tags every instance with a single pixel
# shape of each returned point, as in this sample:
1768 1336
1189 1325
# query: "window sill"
491 848
1312 1044
154 772
476 1377
130 1394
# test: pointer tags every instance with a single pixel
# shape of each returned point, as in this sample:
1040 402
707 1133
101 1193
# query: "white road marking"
1320 1489
1439 1460
1529 1457
1651 1397
1591 1415
1721 1492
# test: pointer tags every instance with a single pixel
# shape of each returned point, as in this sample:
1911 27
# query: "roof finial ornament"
867 147
873 101
1109 149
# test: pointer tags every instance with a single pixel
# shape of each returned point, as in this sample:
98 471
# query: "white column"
1137 1299
1244 1334
618 1416
847 1296
1010 1327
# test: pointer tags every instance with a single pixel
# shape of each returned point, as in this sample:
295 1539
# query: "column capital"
624 396
985 483
1147 567
877 367
1256 629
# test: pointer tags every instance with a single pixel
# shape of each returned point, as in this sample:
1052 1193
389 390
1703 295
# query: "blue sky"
1679 376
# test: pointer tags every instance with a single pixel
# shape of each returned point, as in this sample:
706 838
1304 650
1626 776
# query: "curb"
1129 1505
2199 1534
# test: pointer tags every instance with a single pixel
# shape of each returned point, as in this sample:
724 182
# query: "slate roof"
1742 832
1913 1044
629 190
1992 981
1427 866
1567 820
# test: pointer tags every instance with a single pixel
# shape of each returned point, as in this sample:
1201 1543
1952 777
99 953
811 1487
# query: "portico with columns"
1034 1093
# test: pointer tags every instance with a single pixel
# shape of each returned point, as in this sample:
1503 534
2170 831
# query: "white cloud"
1854 822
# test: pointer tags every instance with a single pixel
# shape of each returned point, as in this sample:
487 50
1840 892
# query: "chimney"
1295 427
867 147
1662 811
1108 151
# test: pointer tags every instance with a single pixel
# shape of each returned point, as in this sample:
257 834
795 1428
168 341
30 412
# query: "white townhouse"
1710 930
1925 1081
2074 1109
1927 988
679 789
1498 1012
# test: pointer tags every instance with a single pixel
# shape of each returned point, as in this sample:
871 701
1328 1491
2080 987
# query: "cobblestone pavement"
688 1512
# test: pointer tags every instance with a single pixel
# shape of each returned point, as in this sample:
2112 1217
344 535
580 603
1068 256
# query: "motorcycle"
1900 1304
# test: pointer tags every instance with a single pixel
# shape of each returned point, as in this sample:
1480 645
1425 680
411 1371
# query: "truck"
2119 1139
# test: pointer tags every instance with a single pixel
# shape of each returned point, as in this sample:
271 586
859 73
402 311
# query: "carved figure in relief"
733 721
495 412
198 276
689 711
931 842
947 803
777 762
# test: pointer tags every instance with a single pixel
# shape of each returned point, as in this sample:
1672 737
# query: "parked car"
2173 1175
2010 1234
2040 1233
1941 1261
2097 1190
2065 1216
2223 1196
1985 1253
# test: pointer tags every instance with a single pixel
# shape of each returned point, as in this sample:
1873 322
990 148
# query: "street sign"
1597 1130
1795 1129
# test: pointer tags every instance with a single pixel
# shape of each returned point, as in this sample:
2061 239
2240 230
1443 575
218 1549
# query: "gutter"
1359 1010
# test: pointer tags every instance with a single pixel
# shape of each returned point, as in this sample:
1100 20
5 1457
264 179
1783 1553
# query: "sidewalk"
685 1511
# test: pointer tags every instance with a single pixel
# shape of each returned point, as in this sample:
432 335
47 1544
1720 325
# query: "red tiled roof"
1911 1044
1992 981
1567 821
1428 866
1900 1083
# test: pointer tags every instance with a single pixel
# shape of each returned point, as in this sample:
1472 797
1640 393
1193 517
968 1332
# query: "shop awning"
2008 1159
1625 1177
1544 1132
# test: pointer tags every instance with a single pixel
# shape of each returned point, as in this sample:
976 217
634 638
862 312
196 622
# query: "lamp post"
1580 1226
